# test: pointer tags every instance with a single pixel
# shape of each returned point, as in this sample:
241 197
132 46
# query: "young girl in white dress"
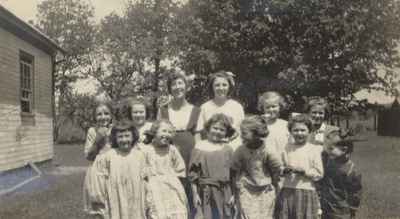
303 167
271 103
97 143
164 165
122 168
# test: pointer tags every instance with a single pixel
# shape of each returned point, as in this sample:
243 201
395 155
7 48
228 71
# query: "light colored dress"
185 121
257 173
230 108
278 136
166 196
298 198
142 130
124 174
94 186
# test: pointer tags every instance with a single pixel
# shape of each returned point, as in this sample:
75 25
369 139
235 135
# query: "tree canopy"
328 48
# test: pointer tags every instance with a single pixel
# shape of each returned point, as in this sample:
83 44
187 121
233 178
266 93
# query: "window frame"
27 82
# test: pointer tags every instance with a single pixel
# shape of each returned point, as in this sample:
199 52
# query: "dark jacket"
340 188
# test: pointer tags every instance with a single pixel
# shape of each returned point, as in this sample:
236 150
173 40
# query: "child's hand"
287 170
102 131
297 170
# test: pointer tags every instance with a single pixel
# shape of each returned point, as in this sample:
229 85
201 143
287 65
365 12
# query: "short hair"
221 74
224 120
151 133
103 103
257 125
129 102
121 126
300 118
173 77
347 145
334 137
316 101
270 95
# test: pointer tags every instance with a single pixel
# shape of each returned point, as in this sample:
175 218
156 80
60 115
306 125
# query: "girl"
122 167
183 117
221 86
271 104
164 164
137 113
210 170
97 143
257 171
302 168
317 109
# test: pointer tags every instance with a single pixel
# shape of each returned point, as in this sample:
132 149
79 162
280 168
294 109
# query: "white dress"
230 108
166 196
124 174
94 186
278 136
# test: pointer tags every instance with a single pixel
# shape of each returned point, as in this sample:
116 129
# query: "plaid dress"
298 198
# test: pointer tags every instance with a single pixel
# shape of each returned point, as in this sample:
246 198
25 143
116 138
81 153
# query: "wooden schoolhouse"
27 59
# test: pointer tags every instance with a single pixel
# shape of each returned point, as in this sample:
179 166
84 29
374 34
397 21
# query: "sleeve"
90 149
178 162
240 116
236 163
201 120
354 189
195 165
274 165
316 170
103 166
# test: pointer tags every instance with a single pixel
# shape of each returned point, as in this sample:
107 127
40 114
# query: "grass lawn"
58 193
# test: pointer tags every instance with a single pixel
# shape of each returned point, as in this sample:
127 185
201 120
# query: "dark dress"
209 171
340 188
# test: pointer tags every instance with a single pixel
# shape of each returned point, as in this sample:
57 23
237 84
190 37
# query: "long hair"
98 105
120 127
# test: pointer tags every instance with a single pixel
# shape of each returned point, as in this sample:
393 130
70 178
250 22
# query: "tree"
70 23
116 62
153 24
328 48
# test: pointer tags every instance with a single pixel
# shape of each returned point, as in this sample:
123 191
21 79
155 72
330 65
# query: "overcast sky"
26 10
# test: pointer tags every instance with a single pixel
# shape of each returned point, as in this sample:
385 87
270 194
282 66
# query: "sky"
26 10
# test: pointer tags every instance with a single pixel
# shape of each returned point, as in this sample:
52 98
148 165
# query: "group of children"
295 169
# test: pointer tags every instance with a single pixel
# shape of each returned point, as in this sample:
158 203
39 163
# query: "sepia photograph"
199 109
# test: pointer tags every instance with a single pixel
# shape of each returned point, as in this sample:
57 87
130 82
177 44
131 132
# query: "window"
26 62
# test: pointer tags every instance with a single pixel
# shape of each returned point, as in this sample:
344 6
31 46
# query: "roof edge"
28 29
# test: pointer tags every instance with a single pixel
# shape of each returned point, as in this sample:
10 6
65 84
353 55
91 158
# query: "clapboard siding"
24 142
